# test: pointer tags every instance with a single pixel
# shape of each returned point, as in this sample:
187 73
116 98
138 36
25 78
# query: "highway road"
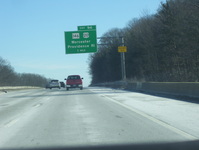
47 118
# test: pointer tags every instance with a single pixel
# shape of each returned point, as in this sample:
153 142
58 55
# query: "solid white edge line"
178 131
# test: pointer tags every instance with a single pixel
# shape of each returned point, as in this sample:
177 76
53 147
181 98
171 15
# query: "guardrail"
190 89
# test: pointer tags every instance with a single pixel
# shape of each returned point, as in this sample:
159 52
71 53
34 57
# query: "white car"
54 84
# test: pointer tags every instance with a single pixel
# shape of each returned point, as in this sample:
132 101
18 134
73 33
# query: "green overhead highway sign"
91 27
82 41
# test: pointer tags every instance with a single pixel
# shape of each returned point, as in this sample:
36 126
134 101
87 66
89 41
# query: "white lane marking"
37 105
176 130
10 123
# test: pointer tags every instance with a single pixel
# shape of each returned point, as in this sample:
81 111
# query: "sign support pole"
122 54
123 67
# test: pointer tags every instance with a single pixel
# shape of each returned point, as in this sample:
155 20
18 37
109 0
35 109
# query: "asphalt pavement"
51 118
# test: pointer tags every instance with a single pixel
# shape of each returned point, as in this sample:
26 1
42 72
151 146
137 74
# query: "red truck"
74 81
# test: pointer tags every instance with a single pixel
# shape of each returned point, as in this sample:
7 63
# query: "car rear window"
74 77
54 80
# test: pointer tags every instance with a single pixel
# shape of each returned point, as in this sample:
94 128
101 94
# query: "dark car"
62 84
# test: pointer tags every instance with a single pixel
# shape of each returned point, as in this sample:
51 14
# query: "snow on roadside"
180 114
4 89
16 87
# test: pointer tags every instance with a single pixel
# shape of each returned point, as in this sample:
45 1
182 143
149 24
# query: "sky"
32 31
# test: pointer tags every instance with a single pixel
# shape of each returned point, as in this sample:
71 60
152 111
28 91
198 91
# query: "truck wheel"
67 89
81 88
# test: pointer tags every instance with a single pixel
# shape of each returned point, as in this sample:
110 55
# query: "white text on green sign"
90 27
80 41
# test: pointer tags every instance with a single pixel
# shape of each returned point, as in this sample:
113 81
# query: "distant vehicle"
53 84
62 84
47 85
74 81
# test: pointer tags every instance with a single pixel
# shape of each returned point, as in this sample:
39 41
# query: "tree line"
8 77
162 47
